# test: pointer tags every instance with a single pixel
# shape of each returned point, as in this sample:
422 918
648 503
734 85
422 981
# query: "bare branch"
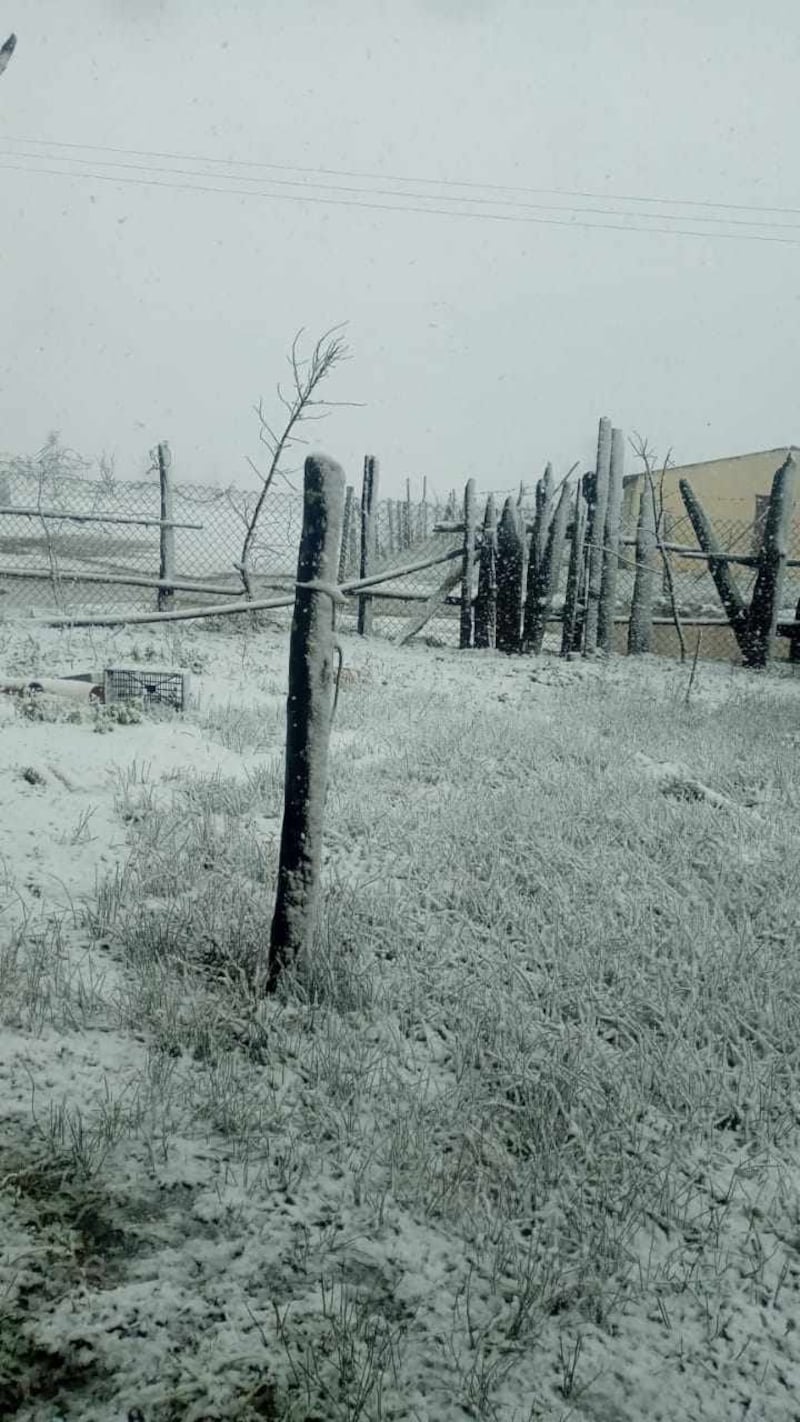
647 456
307 376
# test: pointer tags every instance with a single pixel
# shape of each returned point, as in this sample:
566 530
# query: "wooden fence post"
765 603
353 552
570 630
536 549
391 518
611 536
510 564
597 535
640 626
308 719
408 525
346 523
424 509
369 501
547 576
166 596
486 600
470 524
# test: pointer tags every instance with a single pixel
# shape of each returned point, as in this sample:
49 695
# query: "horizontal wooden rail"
54 515
230 609
133 580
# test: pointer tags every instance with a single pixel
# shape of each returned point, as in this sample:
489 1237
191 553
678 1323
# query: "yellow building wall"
726 488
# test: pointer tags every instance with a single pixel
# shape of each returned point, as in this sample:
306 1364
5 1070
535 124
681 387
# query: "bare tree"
307 376
642 451
6 51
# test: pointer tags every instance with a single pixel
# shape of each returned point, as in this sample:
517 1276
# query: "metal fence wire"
74 561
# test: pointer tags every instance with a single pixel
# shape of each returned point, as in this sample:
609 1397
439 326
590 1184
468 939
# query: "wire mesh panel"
151 685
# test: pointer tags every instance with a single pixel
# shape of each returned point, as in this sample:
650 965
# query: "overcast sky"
136 311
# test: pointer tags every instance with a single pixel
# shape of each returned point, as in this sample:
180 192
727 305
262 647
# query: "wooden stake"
595 558
611 534
308 719
644 587
369 501
765 604
486 600
510 564
470 524
166 571
572 600
537 545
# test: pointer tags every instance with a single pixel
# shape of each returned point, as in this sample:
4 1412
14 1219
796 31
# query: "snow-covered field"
520 1142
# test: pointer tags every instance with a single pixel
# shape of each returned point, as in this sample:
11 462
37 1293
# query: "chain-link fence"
65 549
74 545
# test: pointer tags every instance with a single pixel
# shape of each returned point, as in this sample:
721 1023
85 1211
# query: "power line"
395 178
405 208
388 192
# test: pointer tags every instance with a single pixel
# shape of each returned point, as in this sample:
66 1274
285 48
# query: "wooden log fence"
513 603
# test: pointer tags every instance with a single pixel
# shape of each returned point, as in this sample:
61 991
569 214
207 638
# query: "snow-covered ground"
521 1142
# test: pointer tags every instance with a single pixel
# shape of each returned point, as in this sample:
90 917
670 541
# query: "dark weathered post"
408 526
536 549
537 608
765 603
572 600
596 549
731 598
308 718
423 527
369 501
510 564
486 600
608 581
470 525
391 517
346 526
166 571
640 626
353 552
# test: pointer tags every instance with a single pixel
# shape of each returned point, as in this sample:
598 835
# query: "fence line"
59 568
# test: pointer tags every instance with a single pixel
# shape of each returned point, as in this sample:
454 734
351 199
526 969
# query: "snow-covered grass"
519 1141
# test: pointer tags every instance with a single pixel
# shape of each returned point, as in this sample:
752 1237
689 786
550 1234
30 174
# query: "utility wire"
422 197
397 207
394 178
